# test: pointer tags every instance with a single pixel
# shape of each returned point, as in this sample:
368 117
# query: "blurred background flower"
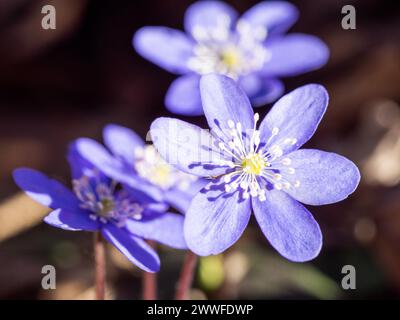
252 49
57 85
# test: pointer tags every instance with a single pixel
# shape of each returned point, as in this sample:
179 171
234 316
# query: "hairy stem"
186 277
149 287
100 265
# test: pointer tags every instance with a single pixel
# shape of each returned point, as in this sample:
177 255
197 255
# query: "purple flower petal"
79 166
167 229
44 190
296 115
82 167
183 96
178 199
120 171
168 48
154 207
215 220
143 197
288 226
72 221
295 54
181 199
186 146
99 156
223 100
134 248
122 141
261 90
324 177
276 16
208 14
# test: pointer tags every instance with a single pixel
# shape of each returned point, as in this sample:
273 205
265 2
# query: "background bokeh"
58 85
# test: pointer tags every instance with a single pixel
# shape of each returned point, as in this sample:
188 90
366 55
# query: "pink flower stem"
100 265
149 283
186 277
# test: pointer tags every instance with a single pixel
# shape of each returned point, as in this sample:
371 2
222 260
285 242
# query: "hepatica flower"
252 49
96 203
131 161
257 168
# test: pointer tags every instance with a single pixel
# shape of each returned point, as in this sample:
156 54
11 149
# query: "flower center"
254 163
230 52
253 166
231 57
106 206
105 203
152 167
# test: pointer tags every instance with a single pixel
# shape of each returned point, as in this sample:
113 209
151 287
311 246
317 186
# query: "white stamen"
253 192
290 141
254 169
277 151
277 176
103 220
261 195
244 185
256 138
278 186
101 199
219 49
137 216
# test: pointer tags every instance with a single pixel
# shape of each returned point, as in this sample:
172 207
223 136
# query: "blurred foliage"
211 272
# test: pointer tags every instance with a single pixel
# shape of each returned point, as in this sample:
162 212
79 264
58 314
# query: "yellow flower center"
254 163
231 58
161 174
107 205
155 169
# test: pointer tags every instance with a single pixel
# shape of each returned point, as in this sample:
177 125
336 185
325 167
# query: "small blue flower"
256 168
252 50
97 203
140 166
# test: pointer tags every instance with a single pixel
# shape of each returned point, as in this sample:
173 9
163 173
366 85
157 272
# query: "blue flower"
140 166
252 50
256 168
124 217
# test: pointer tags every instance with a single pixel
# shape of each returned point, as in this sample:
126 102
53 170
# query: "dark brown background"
58 85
